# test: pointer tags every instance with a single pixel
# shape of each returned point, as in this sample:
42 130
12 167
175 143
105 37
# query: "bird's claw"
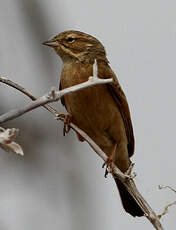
67 119
129 171
107 163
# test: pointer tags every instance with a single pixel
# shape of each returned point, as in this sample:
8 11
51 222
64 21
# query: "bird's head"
77 46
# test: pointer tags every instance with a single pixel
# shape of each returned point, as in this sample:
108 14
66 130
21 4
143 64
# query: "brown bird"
101 111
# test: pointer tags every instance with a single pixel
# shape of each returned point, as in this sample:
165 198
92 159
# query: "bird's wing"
104 71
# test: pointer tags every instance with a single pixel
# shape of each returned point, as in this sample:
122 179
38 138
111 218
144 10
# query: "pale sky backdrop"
59 183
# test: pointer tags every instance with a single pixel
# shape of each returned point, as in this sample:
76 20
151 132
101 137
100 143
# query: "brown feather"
121 101
101 111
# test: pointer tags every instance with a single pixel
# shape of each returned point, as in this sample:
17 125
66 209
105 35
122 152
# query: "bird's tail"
128 201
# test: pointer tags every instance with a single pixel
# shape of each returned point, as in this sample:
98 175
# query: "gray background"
59 183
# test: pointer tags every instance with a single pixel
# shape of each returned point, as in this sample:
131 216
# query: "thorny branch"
55 96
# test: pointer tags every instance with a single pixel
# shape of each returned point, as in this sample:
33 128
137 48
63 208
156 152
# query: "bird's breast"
93 109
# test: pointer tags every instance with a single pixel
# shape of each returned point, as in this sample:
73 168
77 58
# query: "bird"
101 111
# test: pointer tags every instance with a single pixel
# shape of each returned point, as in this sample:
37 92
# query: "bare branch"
26 92
56 95
52 96
6 81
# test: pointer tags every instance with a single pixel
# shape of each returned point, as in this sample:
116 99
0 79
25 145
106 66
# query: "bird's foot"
67 119
107 164
109 161
129 171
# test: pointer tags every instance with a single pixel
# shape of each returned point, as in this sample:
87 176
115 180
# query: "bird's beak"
52 43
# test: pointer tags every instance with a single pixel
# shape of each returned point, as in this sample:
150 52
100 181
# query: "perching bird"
101 111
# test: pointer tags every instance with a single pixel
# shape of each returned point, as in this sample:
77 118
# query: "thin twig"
165 211
166 186
52 96
8 82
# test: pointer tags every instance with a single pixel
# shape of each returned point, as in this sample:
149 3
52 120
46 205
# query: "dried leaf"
6 141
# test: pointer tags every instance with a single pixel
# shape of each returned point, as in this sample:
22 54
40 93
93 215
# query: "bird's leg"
129 171
67 119
109 161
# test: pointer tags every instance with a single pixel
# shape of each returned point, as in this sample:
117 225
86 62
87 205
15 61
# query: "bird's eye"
70 39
